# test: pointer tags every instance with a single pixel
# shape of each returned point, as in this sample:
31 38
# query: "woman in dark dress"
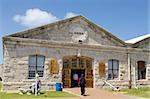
82 84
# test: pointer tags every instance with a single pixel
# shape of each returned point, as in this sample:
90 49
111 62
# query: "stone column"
129 69
60 63
148 68
95 73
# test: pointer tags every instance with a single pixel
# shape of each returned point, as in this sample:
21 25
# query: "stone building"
1 66
62 51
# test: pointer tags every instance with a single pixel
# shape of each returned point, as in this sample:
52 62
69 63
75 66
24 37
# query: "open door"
89 73
66 77
77 65
89 78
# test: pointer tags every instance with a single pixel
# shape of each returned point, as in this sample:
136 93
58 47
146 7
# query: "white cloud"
36 17
70 14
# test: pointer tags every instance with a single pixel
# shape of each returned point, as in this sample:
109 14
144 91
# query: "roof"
61 22
137 39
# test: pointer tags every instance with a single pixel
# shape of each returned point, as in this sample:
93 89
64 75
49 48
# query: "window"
141 70
66 63
74 63
113 69
81 63
36 64
89 63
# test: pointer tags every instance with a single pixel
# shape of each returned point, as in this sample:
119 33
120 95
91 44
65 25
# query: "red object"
78 82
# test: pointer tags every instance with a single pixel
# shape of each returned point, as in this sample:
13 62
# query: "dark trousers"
82 89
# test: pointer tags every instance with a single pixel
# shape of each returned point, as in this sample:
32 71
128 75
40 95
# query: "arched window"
113 69
141 70
36 65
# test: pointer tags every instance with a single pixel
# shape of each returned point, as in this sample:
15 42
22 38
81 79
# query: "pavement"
95 93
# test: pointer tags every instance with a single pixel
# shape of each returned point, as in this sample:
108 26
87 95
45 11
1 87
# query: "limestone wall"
62 32
1 72
16 63
143 44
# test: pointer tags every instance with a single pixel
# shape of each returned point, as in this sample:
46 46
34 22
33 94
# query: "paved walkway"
92 93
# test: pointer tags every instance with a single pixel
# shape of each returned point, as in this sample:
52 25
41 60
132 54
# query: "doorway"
75 75
73 67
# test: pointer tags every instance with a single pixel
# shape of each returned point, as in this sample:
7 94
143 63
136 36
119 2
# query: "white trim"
137 39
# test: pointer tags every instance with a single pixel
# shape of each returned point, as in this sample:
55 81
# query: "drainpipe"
129 70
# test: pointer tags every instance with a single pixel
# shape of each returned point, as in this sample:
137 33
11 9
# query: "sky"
125 19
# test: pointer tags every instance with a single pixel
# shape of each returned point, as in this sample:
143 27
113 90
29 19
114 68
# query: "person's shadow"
86 95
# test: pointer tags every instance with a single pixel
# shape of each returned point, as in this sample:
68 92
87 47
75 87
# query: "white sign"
78 33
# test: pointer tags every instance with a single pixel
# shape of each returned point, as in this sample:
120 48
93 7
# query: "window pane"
40 60
115 64
81 62
32 60
141 70
74 63
40 68
110 75
31 74
110 64
88 63
32 68
40 73
109 71
66 63
115 73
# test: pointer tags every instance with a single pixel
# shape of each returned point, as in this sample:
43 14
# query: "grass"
0 86
45 95
140 92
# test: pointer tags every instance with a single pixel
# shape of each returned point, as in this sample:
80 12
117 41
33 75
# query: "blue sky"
126 19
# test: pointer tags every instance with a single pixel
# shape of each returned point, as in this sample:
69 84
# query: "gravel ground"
92 93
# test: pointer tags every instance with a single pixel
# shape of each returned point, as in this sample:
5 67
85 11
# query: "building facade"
62 51
1 68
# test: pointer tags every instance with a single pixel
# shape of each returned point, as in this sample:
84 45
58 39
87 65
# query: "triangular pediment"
72 30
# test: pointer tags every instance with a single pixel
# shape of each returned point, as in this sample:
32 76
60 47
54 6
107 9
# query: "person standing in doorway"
82 84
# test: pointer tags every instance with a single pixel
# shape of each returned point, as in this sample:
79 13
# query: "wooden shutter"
102 71
53 66
89 78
